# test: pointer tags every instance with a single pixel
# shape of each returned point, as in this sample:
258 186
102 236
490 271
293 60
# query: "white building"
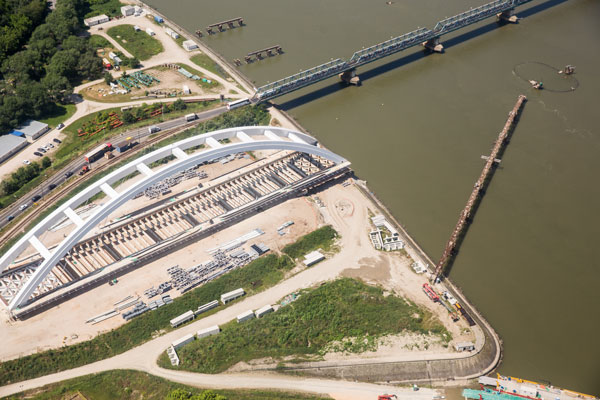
464 346
183 341
264 311
213 330
10 145
183 318
33 129
127 10
230 296
245 316
97 20
171 33
313 257
190 45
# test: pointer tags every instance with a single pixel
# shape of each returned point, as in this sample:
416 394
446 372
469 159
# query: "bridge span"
429 38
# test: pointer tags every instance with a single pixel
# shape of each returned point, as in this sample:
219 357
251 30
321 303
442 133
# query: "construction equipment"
387 397
84 169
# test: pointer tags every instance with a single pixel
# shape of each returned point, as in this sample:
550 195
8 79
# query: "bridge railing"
471 16
389 46
301 78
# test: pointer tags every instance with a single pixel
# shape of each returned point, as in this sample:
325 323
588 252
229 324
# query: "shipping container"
183 341
183 318
213 330
234 294
158 19
97 153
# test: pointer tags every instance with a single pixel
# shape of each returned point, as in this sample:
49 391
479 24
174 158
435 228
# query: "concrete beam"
180 154
106 188
144 169
39 246
72 215
271 135
212 142
244 137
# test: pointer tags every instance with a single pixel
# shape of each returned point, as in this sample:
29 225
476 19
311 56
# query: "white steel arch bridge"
241 139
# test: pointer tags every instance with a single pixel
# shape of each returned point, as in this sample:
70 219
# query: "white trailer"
261 312
234 294
245 316
183 341
150 32
191 117
213 330
182 319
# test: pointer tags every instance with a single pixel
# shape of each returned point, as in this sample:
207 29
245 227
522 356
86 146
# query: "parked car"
36 198
10 218
51 186
26 162
37 153
59 127
43 150
68 174
55 140
23 206
50 145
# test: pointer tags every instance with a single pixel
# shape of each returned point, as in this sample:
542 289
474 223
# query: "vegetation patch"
141 45
209 64
322 238
204 83
99 42
58 113
97 7
254 277
135 385
333 312
22 181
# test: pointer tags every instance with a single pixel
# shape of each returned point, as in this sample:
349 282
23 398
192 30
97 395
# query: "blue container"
17 133
158 19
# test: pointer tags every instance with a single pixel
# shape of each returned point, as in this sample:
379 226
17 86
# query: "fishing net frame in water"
570 77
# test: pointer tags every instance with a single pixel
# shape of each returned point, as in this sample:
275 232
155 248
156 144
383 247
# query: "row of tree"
45 71
23 175
18 18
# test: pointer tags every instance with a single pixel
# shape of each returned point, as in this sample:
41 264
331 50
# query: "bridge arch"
251 138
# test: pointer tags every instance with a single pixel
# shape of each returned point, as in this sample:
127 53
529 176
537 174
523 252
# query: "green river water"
416 128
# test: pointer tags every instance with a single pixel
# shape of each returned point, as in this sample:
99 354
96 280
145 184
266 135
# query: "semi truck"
191 117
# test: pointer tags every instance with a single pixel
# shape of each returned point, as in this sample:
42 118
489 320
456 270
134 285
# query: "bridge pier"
434 45
350 77
507 16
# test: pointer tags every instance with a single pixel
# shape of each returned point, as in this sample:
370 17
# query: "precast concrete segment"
279 141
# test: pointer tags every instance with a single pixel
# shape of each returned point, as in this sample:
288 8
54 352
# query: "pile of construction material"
164 187
166 299
173 356
162 288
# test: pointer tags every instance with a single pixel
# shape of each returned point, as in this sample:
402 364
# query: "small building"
137 10
10 145
172 33
264 311
183 341
33 129
127 10
464 346
159 19
111 55
117 60
206 307
182 319
245 316
150 32
190 45
124 145
230 296
213 330
186 89
97 20
313 257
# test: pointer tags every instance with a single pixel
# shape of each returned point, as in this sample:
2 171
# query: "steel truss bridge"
384 49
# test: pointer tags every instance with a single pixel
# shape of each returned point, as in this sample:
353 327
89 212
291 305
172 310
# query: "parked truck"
191 117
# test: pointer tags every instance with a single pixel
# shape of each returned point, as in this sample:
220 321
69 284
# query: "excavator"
387 397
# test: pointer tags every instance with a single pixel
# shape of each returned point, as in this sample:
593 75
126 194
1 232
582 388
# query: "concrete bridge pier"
434 45
507 16
350 77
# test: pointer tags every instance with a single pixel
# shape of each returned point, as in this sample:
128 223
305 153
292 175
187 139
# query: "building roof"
101 17
32 127
9 142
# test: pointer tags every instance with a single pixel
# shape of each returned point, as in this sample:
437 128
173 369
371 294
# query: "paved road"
140 134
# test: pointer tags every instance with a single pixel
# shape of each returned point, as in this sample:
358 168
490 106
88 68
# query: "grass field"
322 238
59 113
344 315
98 41
108 7
213 85
206 62
135 385
141 45
255 277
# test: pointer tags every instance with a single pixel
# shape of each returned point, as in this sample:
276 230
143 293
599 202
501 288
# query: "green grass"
98 41
256 276
322 238
213 85
344 315
108 7
209 64
58 113
139 44
135 385
244 116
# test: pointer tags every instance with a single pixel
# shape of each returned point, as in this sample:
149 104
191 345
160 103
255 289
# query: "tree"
179 104
108 77
46 162
64 63
128 117
58 87
89 65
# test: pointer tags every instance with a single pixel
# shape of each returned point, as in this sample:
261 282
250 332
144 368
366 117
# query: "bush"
322 238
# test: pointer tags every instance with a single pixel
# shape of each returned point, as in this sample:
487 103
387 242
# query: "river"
416 128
